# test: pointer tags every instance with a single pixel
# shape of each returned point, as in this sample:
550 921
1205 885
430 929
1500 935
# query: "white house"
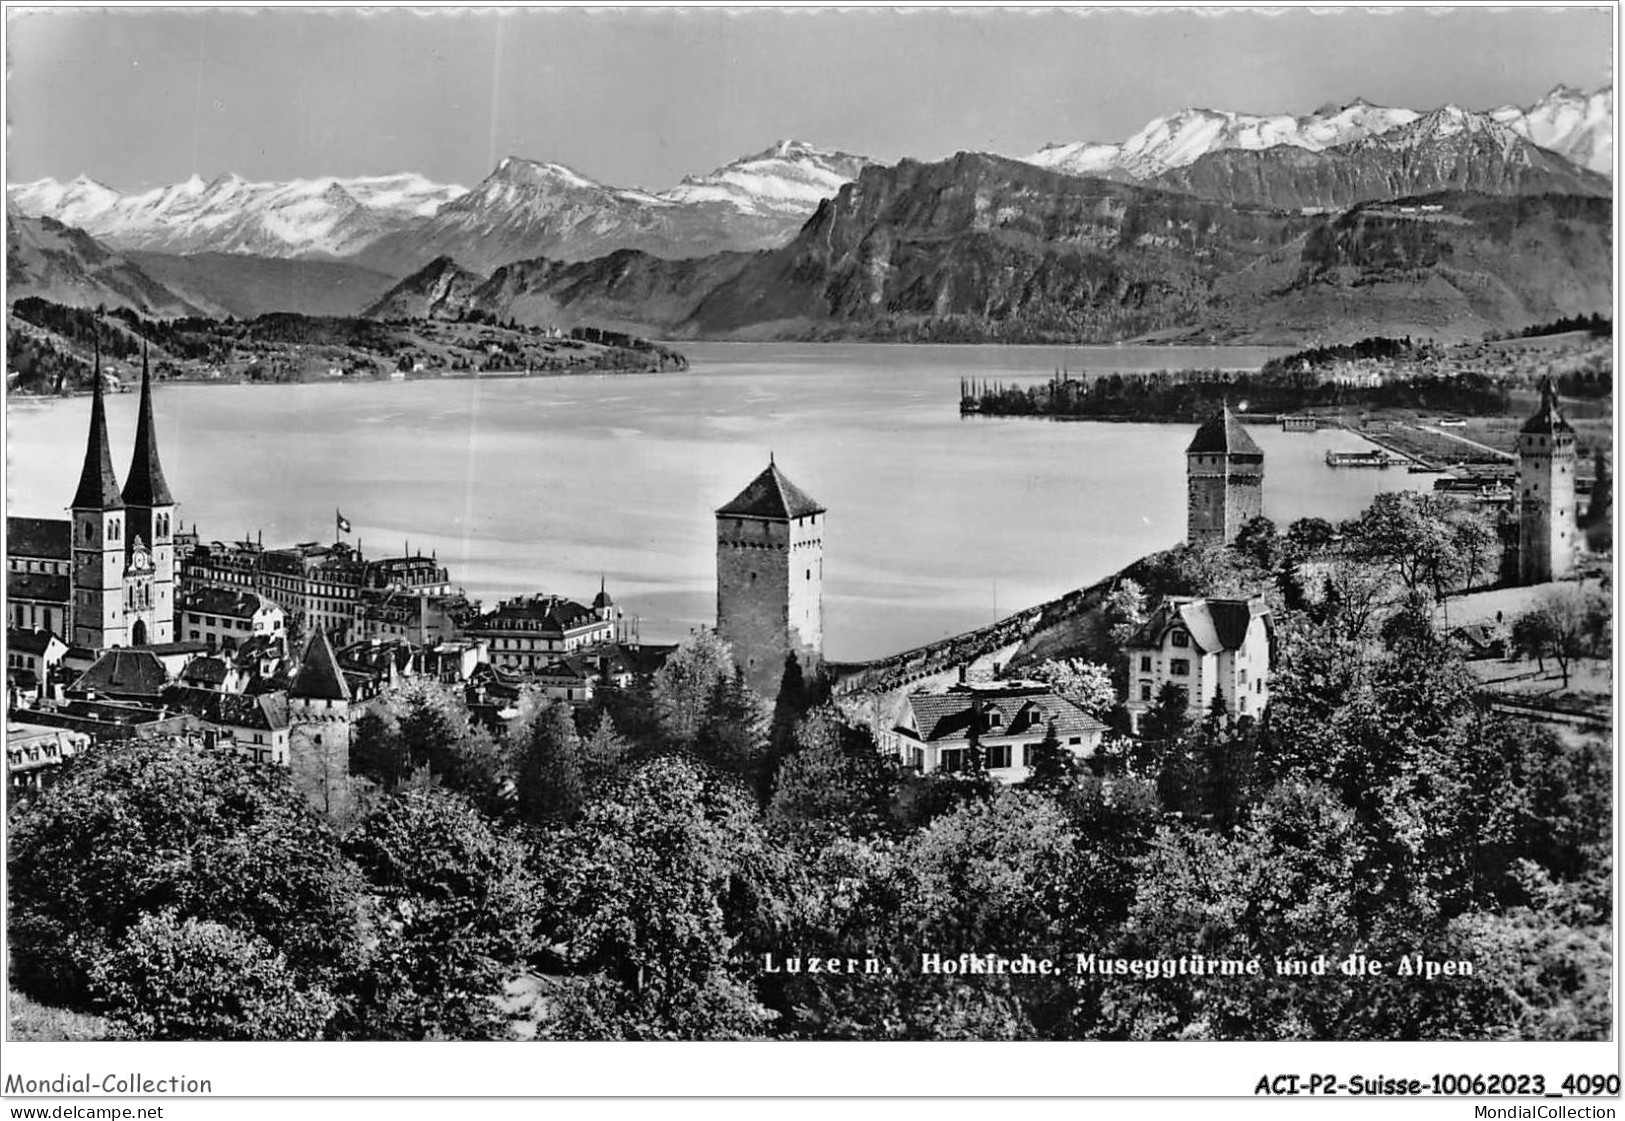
1206 647
1007 720
225 618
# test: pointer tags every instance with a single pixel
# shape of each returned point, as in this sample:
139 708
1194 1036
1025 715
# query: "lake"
936 524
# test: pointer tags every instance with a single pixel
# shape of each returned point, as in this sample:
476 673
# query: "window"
1145 691
1180 667
1145 663
1075 740
994 719
1241 677
951 760
998 755
1181 639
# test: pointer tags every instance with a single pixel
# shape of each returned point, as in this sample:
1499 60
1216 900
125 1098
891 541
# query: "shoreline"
459 375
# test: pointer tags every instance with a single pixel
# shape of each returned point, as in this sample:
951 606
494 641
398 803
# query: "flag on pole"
344 523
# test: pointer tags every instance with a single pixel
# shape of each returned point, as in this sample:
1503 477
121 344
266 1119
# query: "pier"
1381 457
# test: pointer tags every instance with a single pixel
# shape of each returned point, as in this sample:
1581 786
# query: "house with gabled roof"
258 726
33 651
225 618
1005 720
1206 646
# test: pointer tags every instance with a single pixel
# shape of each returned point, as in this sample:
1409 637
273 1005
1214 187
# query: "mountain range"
1447 149
1157 236
982 248
1578 126
395 224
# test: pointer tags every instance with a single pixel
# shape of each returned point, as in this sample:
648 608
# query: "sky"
642 97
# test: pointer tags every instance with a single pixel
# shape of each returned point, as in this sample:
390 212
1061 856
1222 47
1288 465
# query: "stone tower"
99 556
319 715
1224 472
1546 512
150 528
770 579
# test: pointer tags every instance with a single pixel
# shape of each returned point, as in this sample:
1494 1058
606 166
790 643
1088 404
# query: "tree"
376 751
1258 540
733 733
1168 717
548 766
431 720
1428 541
686 686
1086 684
454 918
173 979
1566 621
1280 888
1533 633
135 828
655 892
1124 611
834 783
1308 536
1053 766
603 754
1354 591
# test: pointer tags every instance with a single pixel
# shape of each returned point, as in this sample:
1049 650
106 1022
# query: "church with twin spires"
122 544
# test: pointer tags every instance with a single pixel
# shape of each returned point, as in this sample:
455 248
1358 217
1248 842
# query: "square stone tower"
1224 473
770 579
1547 525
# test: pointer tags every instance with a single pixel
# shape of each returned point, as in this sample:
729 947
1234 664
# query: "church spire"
98 486
146 486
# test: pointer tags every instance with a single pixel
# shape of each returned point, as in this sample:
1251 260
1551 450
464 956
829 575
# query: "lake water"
936 524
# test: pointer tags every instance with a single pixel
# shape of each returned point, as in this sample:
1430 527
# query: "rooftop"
1223 435
48 538
319 676
1022 711
1548 419
1214 624
236 603
771 495
538 613
137 673
31 641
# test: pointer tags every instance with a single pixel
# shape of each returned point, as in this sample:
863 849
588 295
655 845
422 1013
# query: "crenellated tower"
1224 473
770 579
1547 522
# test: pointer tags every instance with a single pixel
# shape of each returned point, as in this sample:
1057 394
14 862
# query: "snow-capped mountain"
1184 137
791 177
1449 149
1570 122
301 217
1575 125
526 209
523 209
